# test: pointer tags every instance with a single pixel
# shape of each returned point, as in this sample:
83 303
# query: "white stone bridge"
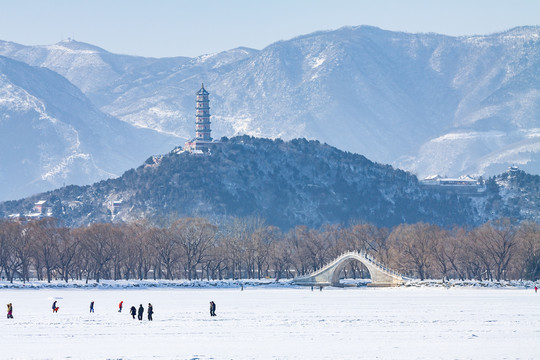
329 274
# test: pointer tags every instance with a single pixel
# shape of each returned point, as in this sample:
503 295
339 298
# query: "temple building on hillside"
462 185
203 140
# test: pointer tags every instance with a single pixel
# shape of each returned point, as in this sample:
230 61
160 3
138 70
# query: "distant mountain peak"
72 44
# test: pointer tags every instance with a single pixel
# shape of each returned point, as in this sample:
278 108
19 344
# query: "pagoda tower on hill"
202 116
202 140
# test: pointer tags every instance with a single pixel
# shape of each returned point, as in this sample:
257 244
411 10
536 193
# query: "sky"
166 28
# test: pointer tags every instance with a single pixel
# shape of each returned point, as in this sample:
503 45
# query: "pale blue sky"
162 28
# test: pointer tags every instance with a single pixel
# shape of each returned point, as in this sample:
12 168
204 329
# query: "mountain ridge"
427 103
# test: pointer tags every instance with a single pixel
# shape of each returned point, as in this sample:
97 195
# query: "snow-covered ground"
274 323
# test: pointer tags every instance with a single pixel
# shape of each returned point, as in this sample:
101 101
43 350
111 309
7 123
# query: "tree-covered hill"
292 183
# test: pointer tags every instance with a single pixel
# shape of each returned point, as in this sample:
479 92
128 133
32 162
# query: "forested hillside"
286 183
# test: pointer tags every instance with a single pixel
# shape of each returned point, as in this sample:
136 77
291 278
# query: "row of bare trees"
194 248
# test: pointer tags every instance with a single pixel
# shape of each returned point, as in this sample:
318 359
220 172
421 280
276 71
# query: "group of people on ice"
133 310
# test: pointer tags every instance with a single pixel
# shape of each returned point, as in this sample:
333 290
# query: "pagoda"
202 140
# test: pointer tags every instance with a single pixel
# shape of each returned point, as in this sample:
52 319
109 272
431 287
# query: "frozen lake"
275 323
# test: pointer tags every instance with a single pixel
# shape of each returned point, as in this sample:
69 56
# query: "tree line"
240 248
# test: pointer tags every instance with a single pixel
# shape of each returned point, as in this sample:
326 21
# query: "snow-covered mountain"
51 134
427 103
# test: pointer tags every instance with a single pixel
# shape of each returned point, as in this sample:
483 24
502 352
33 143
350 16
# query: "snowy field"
274 323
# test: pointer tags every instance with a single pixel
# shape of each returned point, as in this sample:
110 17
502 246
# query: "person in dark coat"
10 311
133 311
54 307
92 306
150 311
141 312
212 308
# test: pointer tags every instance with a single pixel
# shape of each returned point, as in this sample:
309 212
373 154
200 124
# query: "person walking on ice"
133 311
141 312
92 307
9 311
54 307
150 311
120 306
212 308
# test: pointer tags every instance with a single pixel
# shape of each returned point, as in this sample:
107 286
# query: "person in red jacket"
535 289
120 306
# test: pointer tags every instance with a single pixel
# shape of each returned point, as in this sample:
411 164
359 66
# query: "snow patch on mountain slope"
240 125
316 62
533 133
63 167
13 98
468 136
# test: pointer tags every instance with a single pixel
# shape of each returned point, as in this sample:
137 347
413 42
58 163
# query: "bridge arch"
329 274
342 265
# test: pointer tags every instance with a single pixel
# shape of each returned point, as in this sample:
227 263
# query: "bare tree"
235 236
167 247
136 250
68 248
195 236
414 243
529 238
262 242
119 247
363 237
455 252
215 263
42 234
11 232
23 253
98 244
301 261
281 258
442 251
316 248
477 264
498 243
